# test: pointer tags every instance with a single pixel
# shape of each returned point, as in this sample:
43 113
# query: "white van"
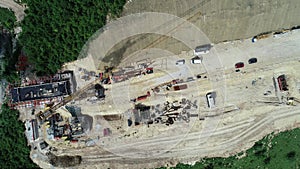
196 60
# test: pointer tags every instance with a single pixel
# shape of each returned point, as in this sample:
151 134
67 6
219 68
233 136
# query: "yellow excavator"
291 100
50 109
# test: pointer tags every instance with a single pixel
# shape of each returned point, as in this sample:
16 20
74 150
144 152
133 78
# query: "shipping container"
144 97
180 87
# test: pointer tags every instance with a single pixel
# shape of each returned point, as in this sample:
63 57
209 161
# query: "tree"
291 155
14 152
65 25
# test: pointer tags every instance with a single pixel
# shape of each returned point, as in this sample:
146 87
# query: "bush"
54 31
7 18
14 152
291 155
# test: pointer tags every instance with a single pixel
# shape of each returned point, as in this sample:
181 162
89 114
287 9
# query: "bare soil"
220 20
227 19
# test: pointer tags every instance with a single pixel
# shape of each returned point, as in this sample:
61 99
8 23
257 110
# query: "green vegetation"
8 58
279 151
8 69
7 18
54 31
14 152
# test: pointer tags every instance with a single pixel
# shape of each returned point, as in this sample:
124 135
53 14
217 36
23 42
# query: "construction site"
163 108
159 108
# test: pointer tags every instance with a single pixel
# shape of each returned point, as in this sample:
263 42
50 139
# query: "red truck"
180 87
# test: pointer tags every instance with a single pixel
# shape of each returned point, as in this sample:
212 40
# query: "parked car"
149 70
239 65
180 62
252 60
199 76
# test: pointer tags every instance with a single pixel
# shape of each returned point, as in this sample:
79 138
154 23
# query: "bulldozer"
291 101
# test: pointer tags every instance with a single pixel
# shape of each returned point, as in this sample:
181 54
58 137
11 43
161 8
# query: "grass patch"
14 152
7 18
273 151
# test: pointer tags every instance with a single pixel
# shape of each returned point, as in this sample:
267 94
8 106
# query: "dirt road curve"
221 142
18 9
234 132
226 20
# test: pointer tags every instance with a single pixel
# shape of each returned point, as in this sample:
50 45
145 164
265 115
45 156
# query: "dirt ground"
222 135
226 19
219 20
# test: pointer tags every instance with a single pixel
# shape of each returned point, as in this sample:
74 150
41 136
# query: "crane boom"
48 112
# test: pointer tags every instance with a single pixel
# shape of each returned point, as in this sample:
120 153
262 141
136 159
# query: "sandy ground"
227 19
220 134
218 20
224 134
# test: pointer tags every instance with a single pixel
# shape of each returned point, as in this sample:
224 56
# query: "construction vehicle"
105 76
282 84
291 100
50 109
180 87
261 36
169 84
141 98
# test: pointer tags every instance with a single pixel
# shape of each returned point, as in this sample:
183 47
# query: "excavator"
50 109
291 100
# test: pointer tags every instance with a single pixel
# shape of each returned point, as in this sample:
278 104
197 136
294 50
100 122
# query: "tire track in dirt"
256 130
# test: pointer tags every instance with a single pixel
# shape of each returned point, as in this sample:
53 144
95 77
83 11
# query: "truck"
210 98
180 87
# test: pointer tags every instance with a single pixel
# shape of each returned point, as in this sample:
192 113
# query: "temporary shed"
202 49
